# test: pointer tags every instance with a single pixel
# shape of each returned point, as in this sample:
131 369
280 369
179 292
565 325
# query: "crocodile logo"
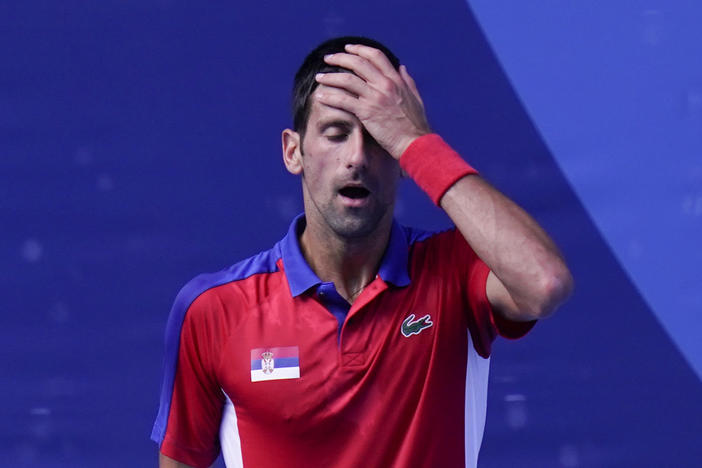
410 326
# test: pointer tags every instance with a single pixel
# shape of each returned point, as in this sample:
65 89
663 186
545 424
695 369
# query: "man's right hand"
385 100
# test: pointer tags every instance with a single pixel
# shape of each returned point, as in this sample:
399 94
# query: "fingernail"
328 55
318 76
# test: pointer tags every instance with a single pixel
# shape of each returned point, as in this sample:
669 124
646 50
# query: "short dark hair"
305 83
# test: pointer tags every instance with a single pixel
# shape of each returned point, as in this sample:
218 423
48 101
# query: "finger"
374 56
358 65
345 81
361 67
337 98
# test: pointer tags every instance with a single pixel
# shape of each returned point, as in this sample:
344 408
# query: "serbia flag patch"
275 363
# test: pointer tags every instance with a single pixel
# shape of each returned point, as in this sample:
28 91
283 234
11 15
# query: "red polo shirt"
270 365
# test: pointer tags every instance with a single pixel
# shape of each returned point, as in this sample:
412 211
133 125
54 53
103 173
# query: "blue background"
140 145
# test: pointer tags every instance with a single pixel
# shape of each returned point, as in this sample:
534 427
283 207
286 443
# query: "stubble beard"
350 223
354 224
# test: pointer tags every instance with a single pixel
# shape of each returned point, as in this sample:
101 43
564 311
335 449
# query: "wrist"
403 143
434 165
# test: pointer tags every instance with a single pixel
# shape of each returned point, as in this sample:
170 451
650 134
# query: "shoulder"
443 249
203 288
431 238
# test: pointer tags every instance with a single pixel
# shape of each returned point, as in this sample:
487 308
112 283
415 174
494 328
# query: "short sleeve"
483 323
195 403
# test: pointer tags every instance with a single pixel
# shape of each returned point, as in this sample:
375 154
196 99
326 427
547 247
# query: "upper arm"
507 317
192 401
168 462
501 301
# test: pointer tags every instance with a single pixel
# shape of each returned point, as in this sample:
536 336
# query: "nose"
360 149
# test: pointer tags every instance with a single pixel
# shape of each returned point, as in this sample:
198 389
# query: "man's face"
349 181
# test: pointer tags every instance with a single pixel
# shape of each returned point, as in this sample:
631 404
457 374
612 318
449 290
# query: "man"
355 341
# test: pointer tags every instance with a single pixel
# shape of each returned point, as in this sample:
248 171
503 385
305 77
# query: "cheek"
313 168
313 173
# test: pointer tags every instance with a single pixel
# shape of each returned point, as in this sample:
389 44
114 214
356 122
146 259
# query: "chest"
286 361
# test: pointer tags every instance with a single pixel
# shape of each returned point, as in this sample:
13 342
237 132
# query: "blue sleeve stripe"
420 235
265 262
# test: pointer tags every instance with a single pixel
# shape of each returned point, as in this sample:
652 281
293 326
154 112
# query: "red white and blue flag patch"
275 363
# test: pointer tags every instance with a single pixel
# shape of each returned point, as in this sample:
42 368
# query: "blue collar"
393 266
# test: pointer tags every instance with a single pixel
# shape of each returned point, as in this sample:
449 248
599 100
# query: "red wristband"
434 165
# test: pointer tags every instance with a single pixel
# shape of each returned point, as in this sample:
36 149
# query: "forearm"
515 248
529 277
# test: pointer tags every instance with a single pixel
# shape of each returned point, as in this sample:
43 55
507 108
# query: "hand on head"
385 100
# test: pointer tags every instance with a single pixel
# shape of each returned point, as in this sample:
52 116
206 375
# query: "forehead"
321 115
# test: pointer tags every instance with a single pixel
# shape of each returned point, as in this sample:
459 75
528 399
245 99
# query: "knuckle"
387 86
360 61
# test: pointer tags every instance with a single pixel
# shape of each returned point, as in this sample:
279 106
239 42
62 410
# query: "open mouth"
354 192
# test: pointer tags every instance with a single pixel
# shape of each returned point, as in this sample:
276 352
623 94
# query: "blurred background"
140 146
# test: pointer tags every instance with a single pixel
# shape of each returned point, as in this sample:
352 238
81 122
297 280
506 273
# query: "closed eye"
336 130
337 138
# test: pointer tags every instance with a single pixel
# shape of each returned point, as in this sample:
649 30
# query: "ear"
292 157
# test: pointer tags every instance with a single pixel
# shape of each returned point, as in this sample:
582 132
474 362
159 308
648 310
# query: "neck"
351 264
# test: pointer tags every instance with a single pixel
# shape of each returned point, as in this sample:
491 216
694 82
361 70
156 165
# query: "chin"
355 226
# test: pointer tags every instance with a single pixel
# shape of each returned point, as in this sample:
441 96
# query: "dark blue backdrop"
139 146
